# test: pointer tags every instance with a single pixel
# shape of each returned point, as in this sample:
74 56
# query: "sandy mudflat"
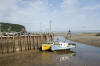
87 38
79 56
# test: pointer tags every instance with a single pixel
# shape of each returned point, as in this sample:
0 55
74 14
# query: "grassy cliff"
8 27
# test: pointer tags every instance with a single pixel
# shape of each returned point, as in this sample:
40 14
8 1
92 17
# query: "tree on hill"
8 27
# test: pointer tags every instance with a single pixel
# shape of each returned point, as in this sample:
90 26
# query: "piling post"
30 41
33 42
25 41
37 42
7 44
1 45
20 42
13 43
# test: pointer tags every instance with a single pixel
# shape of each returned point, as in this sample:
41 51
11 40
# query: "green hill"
8 27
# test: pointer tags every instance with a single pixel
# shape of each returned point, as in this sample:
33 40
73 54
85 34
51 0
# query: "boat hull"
57 47
46 47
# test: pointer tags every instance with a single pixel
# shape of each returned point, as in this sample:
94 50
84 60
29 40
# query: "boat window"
48 42
57 44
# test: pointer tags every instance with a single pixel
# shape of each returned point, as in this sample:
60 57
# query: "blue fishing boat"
62 46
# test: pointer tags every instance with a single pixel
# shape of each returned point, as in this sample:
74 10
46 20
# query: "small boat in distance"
62 46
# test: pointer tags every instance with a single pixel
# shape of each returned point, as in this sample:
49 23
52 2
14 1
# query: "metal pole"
0 30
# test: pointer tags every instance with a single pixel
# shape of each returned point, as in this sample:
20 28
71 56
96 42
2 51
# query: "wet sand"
87 38
80 56
37 58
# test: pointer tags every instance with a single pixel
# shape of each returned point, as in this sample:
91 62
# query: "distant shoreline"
87 38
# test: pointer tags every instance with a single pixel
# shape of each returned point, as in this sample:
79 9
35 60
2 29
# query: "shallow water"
82 55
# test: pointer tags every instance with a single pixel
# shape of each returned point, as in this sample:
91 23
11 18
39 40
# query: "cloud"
73 16
93 7
32 13
27 13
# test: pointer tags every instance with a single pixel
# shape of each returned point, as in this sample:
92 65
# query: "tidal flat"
87 38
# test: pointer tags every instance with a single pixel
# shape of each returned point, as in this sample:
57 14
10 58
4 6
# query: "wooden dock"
19 43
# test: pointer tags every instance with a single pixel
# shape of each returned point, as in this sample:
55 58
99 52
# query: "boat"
62 46
46 46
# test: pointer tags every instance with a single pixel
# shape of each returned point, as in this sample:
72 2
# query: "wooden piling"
20 42
1 45
7 44
25 39
13 43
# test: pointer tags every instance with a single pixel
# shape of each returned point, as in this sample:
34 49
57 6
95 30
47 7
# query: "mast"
69 34
50 26
49 30
40 28
0 30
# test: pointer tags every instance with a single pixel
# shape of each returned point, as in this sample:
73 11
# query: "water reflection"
57 57
65 55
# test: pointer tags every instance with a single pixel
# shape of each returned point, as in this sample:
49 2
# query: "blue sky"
65 14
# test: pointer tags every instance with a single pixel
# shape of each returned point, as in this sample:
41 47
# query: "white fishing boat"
62 46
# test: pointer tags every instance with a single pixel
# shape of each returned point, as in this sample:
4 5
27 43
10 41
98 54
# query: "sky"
35 15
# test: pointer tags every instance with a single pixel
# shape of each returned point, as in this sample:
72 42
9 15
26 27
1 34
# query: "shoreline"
87 38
